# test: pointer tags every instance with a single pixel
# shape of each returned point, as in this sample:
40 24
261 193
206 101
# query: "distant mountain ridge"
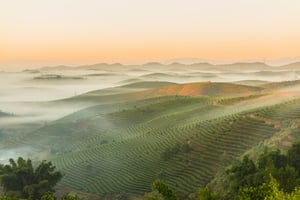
238 66
292 66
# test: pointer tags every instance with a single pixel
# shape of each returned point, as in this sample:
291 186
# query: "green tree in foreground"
19 179
163 189
268 191
48 196
207 194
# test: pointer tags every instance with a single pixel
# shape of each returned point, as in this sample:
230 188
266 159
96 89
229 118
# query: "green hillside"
130 156
121 151
126 141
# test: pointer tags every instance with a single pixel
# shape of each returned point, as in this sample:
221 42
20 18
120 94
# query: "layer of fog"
16 87
37 86
6 154
22 93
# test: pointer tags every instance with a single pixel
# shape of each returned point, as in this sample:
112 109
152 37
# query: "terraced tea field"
126 156
124 138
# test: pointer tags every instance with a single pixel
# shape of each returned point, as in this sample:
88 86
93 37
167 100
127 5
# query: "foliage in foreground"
163 189
268 191
207 194
284 168
19 179
275 176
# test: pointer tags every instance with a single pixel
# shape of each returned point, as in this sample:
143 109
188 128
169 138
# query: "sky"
52 32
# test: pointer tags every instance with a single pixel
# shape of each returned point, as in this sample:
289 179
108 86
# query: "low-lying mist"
32 98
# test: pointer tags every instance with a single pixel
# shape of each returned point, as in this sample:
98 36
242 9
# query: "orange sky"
35 32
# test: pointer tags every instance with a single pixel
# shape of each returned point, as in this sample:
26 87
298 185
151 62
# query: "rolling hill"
127 145
279 85
125 138
148 84
120 150
292 66
191 89
251 82
205 89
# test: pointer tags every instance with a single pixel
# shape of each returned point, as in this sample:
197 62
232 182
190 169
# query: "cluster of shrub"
21 180
272 167
273 176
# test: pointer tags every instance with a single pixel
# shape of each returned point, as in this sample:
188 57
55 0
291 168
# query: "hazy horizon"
22 65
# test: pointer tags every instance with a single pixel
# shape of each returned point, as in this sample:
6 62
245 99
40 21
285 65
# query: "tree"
206 194
47 196
293 156
69 197
154 195
162 188
20 179
242 175
266 191
275 157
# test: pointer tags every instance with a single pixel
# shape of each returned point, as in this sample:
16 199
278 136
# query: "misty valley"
113 129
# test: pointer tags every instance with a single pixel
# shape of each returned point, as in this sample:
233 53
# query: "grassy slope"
285 118
115 148
120 151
